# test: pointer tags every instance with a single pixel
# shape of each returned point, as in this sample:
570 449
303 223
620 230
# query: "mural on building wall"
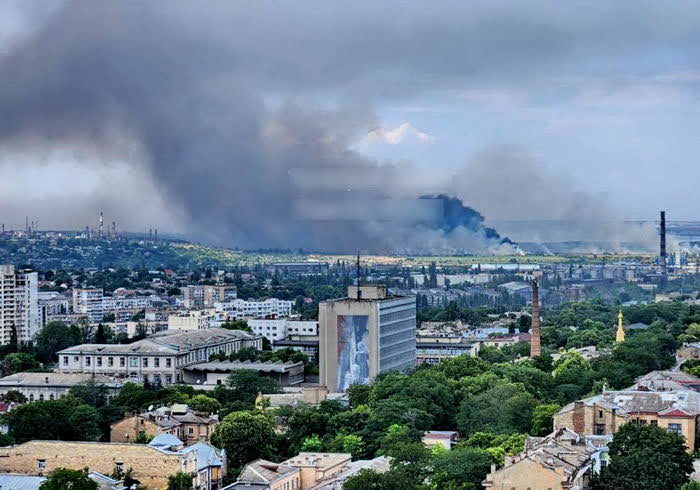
353 350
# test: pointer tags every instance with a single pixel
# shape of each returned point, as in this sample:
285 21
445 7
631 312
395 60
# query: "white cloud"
397 135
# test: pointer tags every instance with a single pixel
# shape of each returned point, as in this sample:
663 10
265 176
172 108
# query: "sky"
191 118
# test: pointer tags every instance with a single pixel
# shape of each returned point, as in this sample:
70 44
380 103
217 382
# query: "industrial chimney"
535 348
662 248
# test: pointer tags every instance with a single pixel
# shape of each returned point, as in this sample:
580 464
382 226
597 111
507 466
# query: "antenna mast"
359 293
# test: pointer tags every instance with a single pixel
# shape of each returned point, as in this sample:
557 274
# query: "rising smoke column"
102 76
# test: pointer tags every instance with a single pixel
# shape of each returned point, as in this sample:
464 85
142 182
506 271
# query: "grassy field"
227 257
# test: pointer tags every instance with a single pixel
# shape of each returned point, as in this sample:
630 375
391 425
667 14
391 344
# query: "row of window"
133 361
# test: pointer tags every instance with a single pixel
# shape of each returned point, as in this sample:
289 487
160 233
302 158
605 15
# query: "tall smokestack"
535 348
662 248
101 224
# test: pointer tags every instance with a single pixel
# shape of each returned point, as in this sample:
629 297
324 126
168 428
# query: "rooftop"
225 367
318 460
55 379
633 401
263 471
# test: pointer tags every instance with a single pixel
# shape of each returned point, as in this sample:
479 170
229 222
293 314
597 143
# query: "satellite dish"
150 407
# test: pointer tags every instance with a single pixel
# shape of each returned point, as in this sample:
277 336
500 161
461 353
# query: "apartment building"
19 304
674 411
239 309
89 302
205 296
158 359
195 319
282 328
51 304
365 334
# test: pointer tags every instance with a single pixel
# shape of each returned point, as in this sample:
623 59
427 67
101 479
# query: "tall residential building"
89 302
198 297
365 334
19 304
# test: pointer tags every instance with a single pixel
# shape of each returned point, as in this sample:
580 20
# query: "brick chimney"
535 349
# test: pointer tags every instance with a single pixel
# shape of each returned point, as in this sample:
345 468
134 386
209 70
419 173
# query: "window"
600 414
121 362
642 422
675 428
190 430
603 464
65 360
600 429
118 467
654 422
31 397
168 379
41 397
41 464
99 361
145 362
156 362
51 396
110 361
87 361
76 358
134 362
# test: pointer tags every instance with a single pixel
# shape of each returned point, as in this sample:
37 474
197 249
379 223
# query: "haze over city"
234 124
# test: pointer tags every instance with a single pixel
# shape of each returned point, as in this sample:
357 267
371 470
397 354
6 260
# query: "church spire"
620 334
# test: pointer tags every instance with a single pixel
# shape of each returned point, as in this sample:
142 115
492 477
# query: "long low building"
435 352
159 359
151 464
52 386
215 373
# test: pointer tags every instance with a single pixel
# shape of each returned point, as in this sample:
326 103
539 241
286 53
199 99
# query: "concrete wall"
150 466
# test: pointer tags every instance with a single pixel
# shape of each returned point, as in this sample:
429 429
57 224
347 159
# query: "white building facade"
239 309
19 304
89 302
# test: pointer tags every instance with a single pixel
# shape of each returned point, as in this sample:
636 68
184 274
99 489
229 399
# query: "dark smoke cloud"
218 95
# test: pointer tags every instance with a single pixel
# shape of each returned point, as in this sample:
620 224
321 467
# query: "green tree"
18 362
66 479
502 409
645 457
461 467
245 436
542 419
180 481
53 337
90 393
204 403
85 423
312 444
143 438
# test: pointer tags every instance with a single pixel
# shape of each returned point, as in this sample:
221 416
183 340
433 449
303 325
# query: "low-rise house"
211 374
306 471
265 475
52 386
151 464
689 352
444 438
667 381
675 411
177 420
159 358
559 461
308 347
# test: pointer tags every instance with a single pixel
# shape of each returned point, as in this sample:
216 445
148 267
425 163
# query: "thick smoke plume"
104 78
